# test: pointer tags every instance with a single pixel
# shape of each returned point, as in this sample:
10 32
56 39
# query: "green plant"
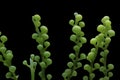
43 60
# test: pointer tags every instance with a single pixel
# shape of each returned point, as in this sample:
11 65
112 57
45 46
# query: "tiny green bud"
71 22
49 76
107 23
106 51
102 53
25 62
3 49
44 29
73 37
40 40
76 29
8 75
91 56
12 69
105 18
106 78
64 75
82 24
32 56
92 75
70 64
83 39
102 69
45 36
102 60
76 47
82 33
101 28
49 61
46 44
93 50
74 73
110 66
111 33
37 58
3 38
9 56
34 36
93 41
97 65
79 64
78 17
87 67
82 56
40 47
110 74
72 56
107 40
34 65
43 65
68 71
85 77
47 54
36 17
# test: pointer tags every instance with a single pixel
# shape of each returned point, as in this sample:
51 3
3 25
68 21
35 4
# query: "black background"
16 23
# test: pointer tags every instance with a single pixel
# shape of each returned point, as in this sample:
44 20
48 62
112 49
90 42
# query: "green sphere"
3 38
34 36
44 29
12 69
111 33
76 29
71 22
72 56
47 54
70 64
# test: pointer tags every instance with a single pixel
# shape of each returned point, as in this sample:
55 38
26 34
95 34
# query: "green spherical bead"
8 75
36 17
76 47
107 40
102 69
92 75
93 41
110 66
72 56
97 65
107 23
45 36
44 29
47 54
68 71
32 56
85 77
46 44
83 40
82 24
71 22
39 47
102 59
49 61
49 76
34 36
9 56
110 74
40 40
12 69
43 65
101 28
3 38
37 58
76 29
70 64
73 37
78 17
25 62
74 73
111 33
64 75
91 56
105 18
82 56
79 64
87 67
3 49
